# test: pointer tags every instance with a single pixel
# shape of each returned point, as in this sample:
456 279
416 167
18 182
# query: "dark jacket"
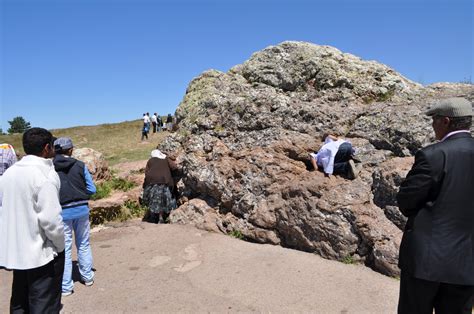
73 183
157 171
437 196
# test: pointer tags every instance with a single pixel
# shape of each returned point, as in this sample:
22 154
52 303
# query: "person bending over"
158 187
335 157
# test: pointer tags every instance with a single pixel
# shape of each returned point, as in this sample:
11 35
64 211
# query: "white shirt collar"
454 132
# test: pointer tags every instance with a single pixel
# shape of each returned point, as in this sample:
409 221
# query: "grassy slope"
118 142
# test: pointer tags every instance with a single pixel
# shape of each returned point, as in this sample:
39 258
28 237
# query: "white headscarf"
158 154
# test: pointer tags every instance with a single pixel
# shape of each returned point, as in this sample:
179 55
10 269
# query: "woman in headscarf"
158 187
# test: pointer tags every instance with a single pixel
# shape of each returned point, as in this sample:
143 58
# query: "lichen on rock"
244 138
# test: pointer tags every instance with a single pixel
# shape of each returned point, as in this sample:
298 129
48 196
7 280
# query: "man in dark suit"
437 196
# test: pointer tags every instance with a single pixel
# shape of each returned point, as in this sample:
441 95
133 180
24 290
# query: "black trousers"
422 296
38 290
343 155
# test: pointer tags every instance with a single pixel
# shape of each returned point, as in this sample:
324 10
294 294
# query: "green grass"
15 140
236 234
130 209
348 260
134 209
118 142
122 184
105 188
103 191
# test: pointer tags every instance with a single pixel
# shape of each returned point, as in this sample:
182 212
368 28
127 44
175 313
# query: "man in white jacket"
31 227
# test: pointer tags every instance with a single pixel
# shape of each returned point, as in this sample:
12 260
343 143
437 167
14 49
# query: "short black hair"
60 151
35 139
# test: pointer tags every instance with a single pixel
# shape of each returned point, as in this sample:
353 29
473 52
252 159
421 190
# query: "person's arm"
147 169
90 186
313 159
49 210
415 189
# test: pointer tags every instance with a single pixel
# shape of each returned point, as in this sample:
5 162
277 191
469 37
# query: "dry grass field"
118 142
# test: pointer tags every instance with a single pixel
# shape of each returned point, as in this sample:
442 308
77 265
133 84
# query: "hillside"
119 142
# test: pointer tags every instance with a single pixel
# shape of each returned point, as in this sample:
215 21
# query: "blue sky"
82 62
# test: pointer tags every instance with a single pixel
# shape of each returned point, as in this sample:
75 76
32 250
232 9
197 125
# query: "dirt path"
169 268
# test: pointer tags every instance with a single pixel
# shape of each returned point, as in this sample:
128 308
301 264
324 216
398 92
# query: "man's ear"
48 151
446 121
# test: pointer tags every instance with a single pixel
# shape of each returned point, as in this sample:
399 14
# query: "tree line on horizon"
17 125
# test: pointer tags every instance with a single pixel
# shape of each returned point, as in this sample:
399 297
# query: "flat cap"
62 143
451 107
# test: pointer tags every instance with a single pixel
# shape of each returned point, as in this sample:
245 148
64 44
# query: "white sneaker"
67 293
89 283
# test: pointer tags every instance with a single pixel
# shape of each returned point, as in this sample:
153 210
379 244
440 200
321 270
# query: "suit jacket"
437 196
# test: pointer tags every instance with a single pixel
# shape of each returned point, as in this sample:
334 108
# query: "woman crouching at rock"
158 187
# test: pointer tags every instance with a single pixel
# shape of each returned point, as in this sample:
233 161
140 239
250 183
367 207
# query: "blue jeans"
81 227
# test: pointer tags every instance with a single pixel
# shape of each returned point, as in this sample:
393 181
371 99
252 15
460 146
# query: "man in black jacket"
437 196
76 187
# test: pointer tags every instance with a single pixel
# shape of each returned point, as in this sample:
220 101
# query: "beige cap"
451 107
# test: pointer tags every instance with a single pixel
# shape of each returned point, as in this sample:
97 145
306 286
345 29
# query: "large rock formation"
95 162
244 138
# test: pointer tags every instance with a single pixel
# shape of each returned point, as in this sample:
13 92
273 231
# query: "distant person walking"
153 122
158 187
145 130
146 120
76 188
31 227
169 122
159 123
437 196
